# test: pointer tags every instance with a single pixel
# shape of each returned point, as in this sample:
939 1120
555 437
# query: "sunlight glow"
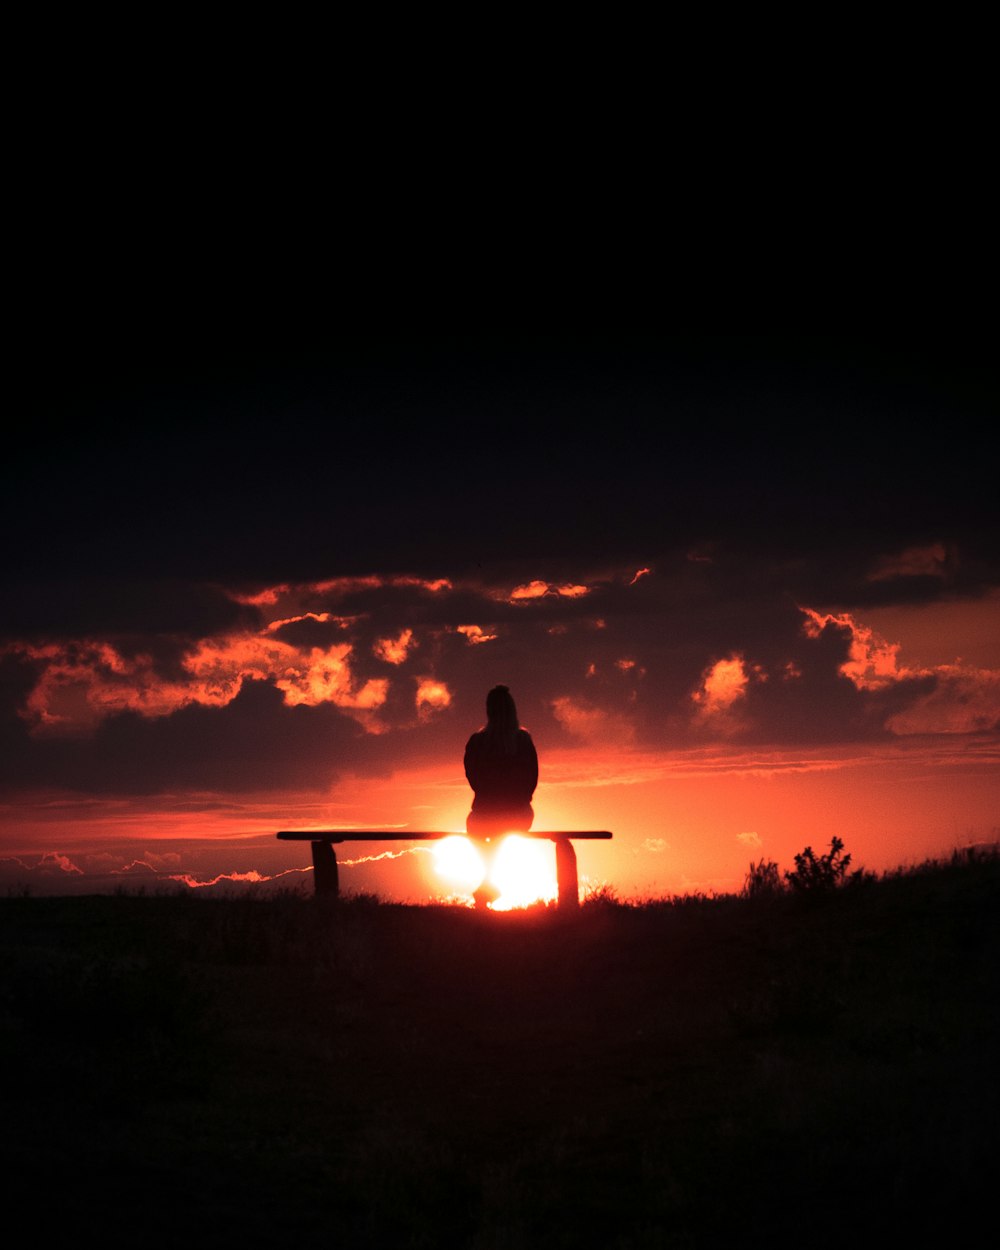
459 863
524 873
523 870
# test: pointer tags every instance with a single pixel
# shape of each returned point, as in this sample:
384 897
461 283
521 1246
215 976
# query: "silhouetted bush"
763 880
603 895
819 874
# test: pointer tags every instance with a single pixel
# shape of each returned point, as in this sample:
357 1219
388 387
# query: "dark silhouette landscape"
810 1066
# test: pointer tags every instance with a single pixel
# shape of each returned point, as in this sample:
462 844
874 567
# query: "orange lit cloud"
963 701
374 859
394 650
219 667
539 590
961 698
61 863
327 678
627 666
432 695
262 598
81 684
50 864
474 634
245 878
281 622
723 686
593 724
873 662
150 863
349 585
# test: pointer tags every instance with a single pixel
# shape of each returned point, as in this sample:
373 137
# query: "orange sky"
688 811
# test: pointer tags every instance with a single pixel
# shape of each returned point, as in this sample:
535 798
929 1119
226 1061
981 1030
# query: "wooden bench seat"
326 876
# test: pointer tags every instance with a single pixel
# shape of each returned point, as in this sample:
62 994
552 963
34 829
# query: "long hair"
502 724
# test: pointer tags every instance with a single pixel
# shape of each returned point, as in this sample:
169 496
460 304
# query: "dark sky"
156 449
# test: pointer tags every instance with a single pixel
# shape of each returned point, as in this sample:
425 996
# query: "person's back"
501 765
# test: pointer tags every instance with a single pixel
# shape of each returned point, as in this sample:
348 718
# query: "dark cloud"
254 743
83 606
435 454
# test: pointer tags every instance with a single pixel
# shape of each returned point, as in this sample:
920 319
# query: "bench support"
566 877
326 878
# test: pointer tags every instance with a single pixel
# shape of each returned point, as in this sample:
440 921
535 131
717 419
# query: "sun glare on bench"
523 870
459 863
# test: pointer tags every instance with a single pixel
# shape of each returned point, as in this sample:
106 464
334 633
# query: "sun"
523 870
458 863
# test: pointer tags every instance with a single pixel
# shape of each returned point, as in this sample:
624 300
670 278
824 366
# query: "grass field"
809 1069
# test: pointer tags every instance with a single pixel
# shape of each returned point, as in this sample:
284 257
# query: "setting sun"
523 870
458 863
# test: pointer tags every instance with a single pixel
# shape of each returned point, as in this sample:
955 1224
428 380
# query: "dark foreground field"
701 1072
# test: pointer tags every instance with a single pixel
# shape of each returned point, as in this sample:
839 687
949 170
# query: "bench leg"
569 886
325 876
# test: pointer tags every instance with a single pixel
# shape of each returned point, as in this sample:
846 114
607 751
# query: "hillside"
694 1072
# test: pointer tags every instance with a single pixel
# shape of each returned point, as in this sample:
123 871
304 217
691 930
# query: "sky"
745 590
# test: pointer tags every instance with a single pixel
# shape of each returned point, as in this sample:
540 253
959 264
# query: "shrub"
601 894
762 880
819 875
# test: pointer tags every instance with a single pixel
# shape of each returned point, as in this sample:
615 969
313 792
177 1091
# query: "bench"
326 877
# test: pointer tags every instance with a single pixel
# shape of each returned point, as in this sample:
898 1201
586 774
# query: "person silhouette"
501 765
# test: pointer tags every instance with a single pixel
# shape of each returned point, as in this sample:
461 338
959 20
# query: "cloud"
41 607
360 674
723 686
137 868
475 634
750 839
254 743
432 695
327 677
929 561
592 724
872 663
372 859
540 589
394 650
960 701
50 868
253 877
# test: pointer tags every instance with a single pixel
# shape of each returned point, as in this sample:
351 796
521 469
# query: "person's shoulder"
525 738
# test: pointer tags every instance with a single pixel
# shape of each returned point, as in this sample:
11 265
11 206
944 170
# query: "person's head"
500 710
